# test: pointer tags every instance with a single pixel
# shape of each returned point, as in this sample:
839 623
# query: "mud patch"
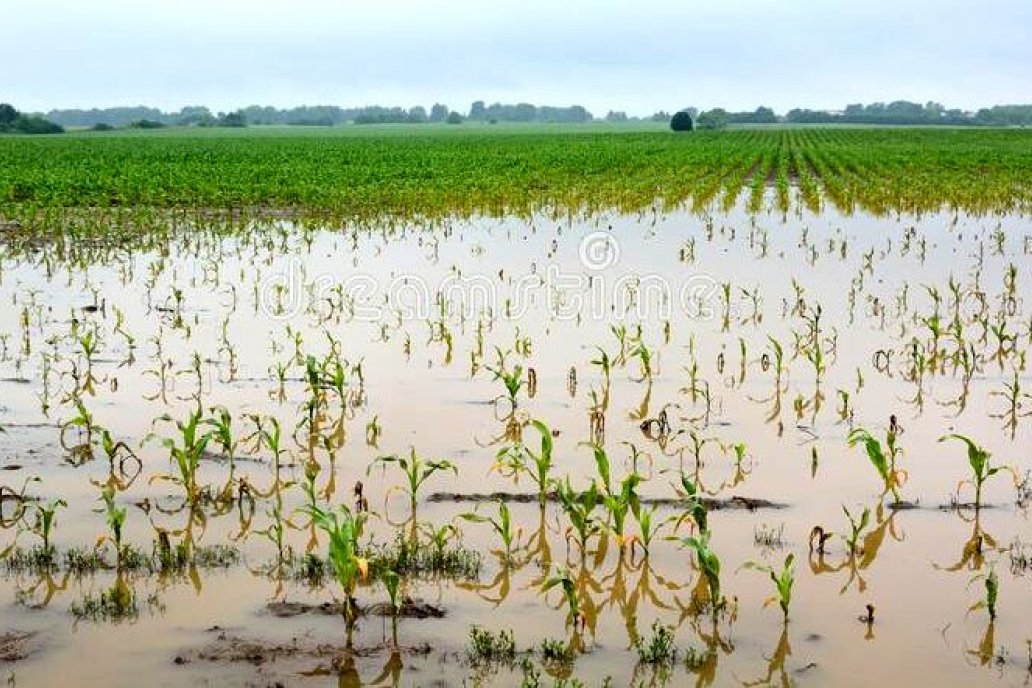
410 609
15 646
713 504
230 648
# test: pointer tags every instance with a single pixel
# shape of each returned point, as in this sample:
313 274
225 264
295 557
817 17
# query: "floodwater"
417 314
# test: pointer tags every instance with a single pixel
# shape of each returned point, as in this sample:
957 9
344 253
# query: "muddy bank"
15 646
711 503
410 609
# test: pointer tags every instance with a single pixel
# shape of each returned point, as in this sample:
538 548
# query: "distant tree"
454 118
101 126
764 115
417 115
439 112
146 124
231 119
13 121
35 125
682 121
712 119
8 114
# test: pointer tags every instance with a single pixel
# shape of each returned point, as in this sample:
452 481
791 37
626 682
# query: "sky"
639 57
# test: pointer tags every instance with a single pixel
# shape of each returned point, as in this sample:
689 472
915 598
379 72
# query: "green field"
439 171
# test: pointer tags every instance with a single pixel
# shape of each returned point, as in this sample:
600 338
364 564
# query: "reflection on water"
566 449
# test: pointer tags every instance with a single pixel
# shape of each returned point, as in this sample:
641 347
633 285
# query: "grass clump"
486 647
659 648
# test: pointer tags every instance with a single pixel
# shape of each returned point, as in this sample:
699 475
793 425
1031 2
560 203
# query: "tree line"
894 113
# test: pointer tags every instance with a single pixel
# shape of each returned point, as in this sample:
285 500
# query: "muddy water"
547 293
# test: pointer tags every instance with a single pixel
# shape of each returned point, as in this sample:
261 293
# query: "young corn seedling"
992 592
783 582
221 424
511 379
856 529
981 470
392 584
83 422
518 458
578 507
694 507
502 526
883 458
619 504
187 454
416 471
115 517
344 530
46 515
648 526
561 577
709 564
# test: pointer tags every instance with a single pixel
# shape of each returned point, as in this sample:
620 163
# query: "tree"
439 112
712 119
417 115
682 121
232 119
454 118
7 114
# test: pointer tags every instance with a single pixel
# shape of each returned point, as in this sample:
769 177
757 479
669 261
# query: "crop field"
516 406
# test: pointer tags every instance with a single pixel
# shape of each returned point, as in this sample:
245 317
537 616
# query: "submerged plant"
783 581
519 459
560 577
344 530
709 564
992 592
416 470
502 526
187 453
882 457
981 470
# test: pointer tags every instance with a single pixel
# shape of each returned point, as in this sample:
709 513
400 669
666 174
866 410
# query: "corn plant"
783 582
115 517
709 563
187 454
46 515
695 508
579 507
561 577
992 591
391 583
416 471
883 458
221 423
344 530
619 504
512 379
856 529
518 458
502 526
981 470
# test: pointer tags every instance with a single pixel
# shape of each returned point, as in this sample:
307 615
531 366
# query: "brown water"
549 291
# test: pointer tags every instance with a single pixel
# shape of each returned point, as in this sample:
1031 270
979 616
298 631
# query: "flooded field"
311 456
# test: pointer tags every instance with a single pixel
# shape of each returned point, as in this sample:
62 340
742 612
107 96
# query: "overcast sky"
638 56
